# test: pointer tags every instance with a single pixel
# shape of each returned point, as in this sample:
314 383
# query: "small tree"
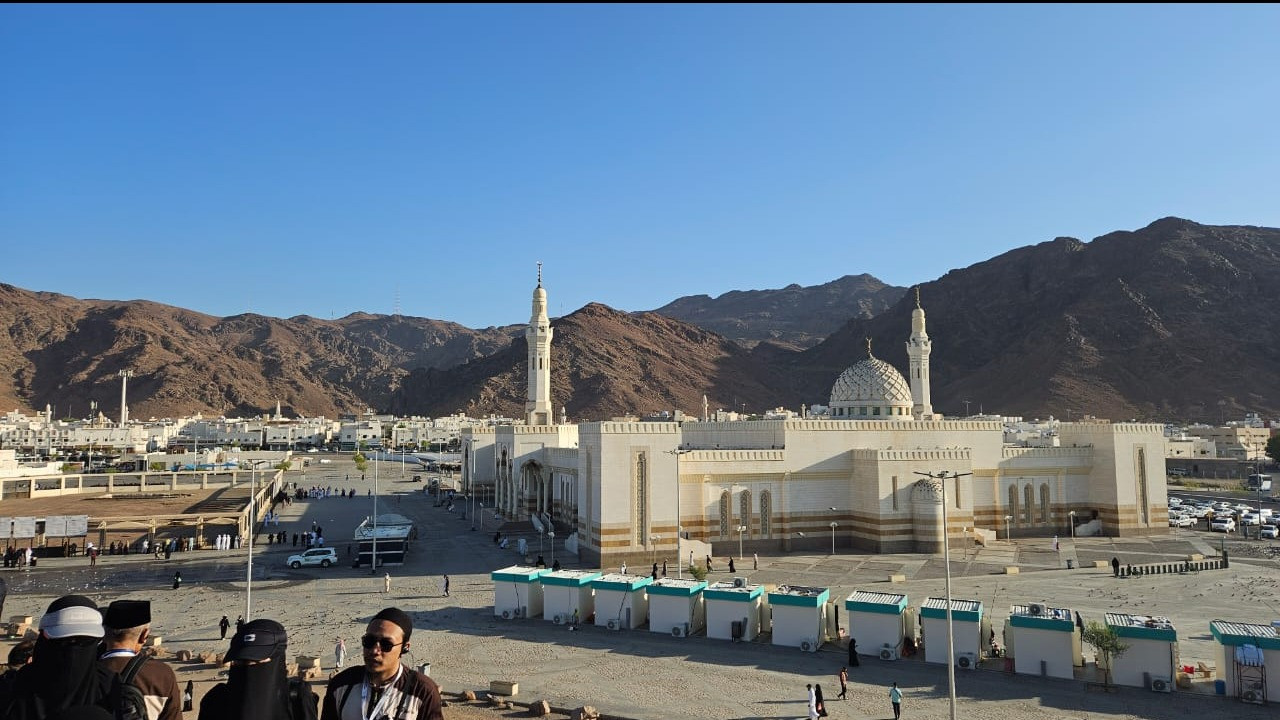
1106 644
285 465
361 463
157 467
698 572
1273 448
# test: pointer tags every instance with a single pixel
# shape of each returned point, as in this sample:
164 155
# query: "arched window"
724 514
1028 503
1013 504
766 521
744 507
1044 504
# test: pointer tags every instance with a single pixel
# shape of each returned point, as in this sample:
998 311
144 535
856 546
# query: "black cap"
399 617
257 640
123 614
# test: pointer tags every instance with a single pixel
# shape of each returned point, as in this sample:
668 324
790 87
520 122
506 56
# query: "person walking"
239 623
1115 567
189 696
340 653
895 697
386 583
853 652
843 675
813 702
818 702
623 570
731 570
755 561
446 586
223 625
177 579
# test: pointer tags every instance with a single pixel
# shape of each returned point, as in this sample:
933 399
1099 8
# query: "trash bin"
1219 687
1071 564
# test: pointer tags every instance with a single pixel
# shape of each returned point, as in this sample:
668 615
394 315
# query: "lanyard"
117 653
364 696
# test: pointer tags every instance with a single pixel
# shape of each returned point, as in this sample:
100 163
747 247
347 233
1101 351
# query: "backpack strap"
135 665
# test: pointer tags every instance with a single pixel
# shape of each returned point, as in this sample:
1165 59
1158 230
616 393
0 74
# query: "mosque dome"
872 389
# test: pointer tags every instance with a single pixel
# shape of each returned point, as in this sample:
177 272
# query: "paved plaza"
649 676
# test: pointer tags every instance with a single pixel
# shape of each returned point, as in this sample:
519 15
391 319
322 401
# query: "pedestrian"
446 586
1115 567
664 567
223 624
623 569
708 563
168 550
853 652
258 685
386 583
844 683
63 672
755 561
654 573
895 697
295 539
93 556
340 653
818 702
188 696
177 579
127 626
383 687
813 702
731 569
239 623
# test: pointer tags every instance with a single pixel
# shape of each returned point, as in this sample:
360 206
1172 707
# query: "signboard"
55 526
77 525
24 527
6 527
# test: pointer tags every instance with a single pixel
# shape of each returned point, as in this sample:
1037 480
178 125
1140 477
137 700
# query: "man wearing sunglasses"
383 688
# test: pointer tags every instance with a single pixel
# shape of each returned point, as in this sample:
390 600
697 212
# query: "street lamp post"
373 561
834 525
679 558
741 529
1071 519
1007 536
941 477
248 580
552 535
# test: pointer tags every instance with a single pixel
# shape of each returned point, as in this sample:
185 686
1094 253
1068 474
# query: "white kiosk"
1152 658
567 596
1248 660
1043 641
517 592
876 622
734 610
967 627
799 616
676 606
622 602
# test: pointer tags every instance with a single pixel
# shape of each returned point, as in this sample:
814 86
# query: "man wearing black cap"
64 672
383 689
258 686
128 625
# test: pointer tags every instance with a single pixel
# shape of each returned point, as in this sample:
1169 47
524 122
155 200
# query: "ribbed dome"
871 381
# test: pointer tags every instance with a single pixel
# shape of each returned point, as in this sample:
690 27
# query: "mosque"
864 476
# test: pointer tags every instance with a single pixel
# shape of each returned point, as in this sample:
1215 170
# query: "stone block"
586 712
154 641
504 687
1195 557
541 708
21 620
1011 570
1102 564
183 656
469 695
897 578
209 658
308 662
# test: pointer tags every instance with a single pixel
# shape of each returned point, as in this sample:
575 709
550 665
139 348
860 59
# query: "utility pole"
941 477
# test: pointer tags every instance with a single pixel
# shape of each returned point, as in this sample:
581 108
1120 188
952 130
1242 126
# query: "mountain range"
1173 321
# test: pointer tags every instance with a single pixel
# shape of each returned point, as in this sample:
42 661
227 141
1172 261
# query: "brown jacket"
158 685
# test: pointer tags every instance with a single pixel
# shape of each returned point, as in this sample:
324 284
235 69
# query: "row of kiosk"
1037 639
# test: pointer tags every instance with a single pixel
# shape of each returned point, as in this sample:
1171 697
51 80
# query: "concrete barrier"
897 578
504 687
1011 570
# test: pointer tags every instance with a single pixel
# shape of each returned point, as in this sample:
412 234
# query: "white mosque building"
625 487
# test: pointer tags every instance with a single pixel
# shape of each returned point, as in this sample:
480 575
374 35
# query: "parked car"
1226 525
324 557
1250 519
1269 531
1181 521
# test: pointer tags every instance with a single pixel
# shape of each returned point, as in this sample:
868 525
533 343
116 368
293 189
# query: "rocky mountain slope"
1176 320
795 317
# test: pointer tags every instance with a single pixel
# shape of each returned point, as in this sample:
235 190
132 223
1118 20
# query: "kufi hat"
127 614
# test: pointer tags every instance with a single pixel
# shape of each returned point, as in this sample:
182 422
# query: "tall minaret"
918 351
537 408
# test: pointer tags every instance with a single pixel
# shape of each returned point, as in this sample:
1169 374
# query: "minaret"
918 351
537 408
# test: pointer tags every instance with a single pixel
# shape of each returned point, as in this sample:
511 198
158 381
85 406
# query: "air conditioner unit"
614 625
1253 696
681 630
559 619
967 660
739 582
1035 609
506 614
888 652
1161 685
809 646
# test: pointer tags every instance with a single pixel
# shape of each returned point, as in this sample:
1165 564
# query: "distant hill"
65 352
1174 321
796 317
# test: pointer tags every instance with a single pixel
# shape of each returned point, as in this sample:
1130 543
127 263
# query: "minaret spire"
537 407
918 349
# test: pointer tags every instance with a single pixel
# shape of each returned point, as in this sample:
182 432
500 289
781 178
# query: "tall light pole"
248 579
741 529
552 534
834 525
679 558
373 561
941 477
1071 519
1007 536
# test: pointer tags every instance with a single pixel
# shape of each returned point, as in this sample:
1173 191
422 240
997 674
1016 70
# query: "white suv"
324 557
1269 531
1226 525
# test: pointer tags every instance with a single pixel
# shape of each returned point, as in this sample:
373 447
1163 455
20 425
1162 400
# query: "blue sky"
320 160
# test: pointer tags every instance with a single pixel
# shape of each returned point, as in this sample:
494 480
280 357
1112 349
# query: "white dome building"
871 390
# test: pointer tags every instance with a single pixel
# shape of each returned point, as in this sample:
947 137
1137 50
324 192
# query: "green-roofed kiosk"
676 607
567 596
877 622
968 624
622 601
517 592
734 609
799 616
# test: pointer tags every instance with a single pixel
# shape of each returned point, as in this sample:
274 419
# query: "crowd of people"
86 664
